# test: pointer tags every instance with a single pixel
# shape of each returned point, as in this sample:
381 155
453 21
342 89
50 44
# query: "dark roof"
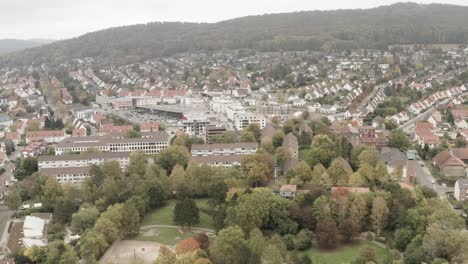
217 159
62 171
86 156
199 147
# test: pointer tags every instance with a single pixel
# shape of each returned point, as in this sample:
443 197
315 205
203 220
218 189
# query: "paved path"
173 226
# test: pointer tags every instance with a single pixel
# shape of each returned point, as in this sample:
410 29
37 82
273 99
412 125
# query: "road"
424 177
370 96
5 215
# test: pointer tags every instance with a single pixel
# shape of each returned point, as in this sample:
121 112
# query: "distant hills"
11 45
402 23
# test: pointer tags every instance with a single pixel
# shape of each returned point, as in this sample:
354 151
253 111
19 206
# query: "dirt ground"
131 251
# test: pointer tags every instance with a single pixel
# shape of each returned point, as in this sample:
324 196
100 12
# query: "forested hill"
11 45
403 23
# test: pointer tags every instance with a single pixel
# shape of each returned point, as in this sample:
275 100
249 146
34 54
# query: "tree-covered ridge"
403 23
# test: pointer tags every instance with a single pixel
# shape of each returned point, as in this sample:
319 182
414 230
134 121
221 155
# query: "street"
423 177
5 215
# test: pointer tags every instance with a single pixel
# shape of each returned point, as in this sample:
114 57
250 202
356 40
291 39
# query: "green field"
346 254
164 215
170 235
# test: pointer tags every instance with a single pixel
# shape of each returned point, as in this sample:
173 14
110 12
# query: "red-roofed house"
149 127
110 128
51 136
79 132
449 165
424 136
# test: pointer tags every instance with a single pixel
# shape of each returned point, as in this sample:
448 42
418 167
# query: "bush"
288 241
303 240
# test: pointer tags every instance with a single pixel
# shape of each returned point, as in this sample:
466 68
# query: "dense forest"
11 45
403 23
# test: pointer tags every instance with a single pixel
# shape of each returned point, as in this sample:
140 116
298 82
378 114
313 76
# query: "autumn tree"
379 214
327 234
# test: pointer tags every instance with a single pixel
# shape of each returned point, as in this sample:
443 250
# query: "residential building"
243 120
68 175
288 191
461 190
49 136
150 143
242 148
212 131
83 160
449 165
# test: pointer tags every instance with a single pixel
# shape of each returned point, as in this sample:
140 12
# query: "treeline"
314 30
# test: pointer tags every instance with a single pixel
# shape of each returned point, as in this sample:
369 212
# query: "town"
220 151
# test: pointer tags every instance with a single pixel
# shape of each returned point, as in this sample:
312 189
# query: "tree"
302 173
303 240
278 139
247 136
282 156
92 245
229 246
255 130
359 211
138 163
256 245
130 220
338 173
348 230
172 156
187 245
366 255
166 256
9 146
369 157
450 244
398 139
257 168
271 255
84 218
261 209
403 237
51 192
379 214
13 199
323 209
357 180
186 213
327 234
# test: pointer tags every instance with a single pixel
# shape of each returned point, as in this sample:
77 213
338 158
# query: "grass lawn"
169 235
164 215
434 171
346 254
163 235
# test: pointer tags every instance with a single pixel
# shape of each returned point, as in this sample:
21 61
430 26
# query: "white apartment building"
194 126
243 120
68 175
83 160
150 143
147 101
242 148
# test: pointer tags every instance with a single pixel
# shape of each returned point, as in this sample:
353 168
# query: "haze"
59 19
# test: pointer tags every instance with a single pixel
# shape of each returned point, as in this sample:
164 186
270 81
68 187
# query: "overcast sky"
60 19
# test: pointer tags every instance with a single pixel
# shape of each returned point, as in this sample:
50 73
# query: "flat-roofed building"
149 142
68 175
243 120
225 161
83 160
243 148
212 131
